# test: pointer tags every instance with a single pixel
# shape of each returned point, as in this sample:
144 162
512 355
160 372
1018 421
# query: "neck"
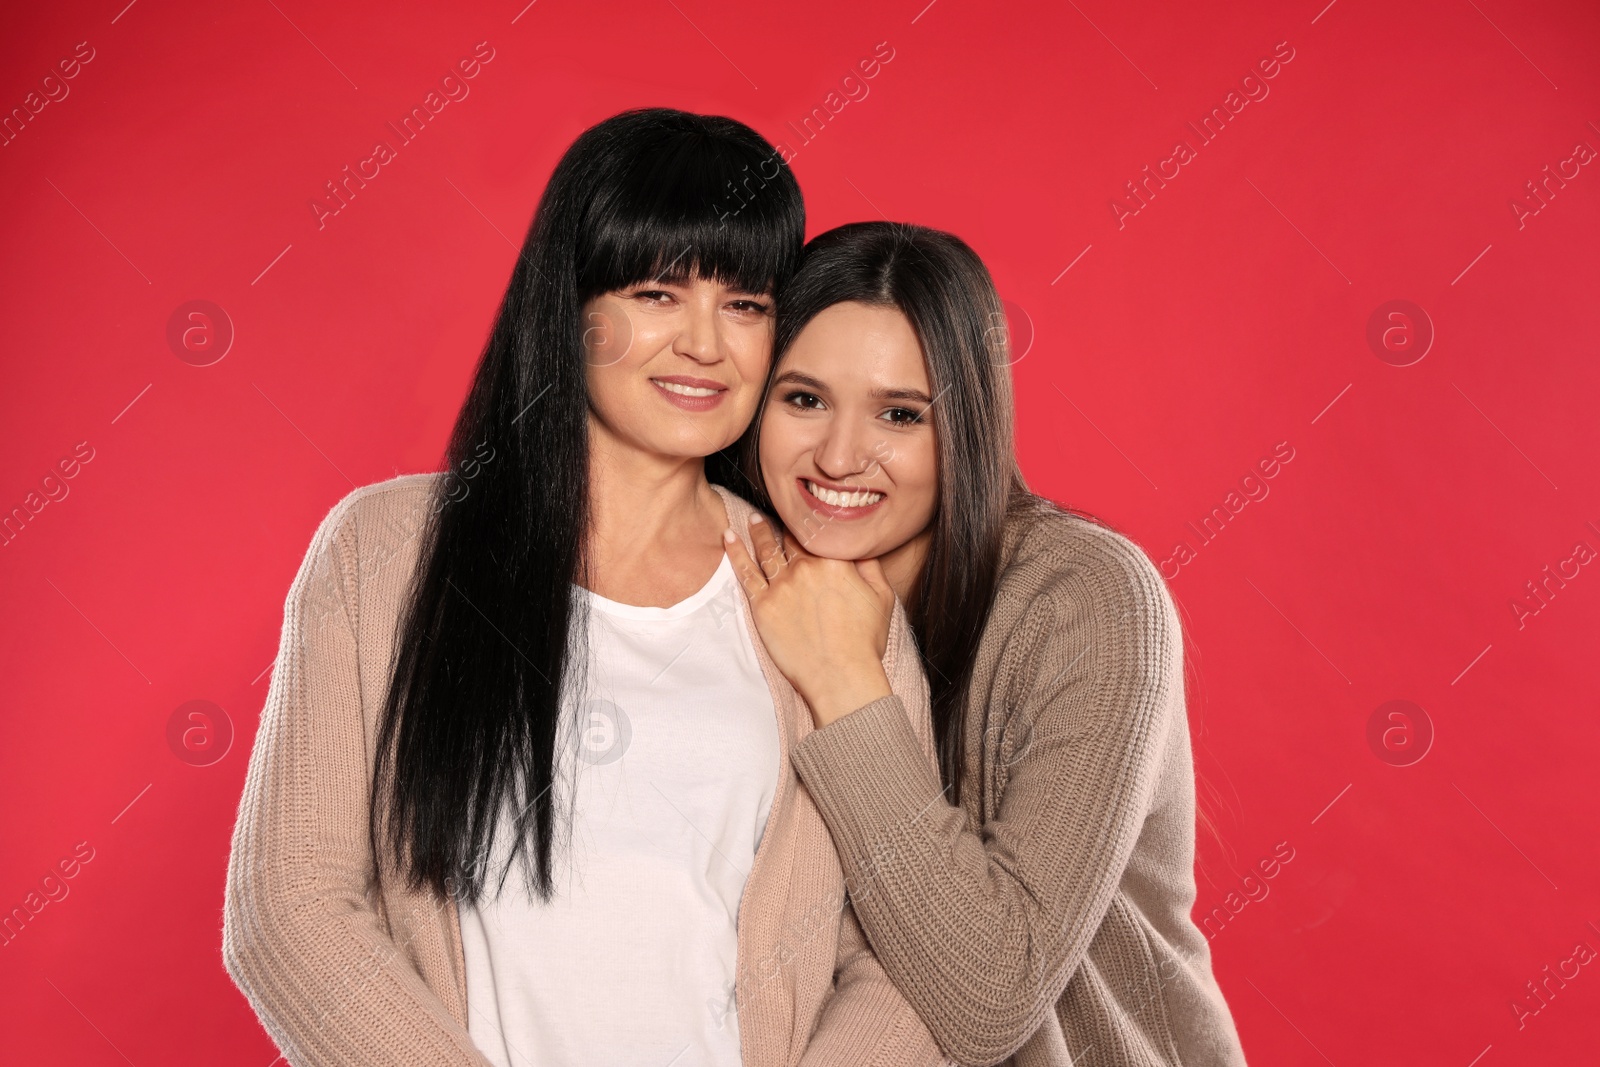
641 501
903 566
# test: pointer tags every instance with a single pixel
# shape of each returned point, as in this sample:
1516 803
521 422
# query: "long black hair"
945 291
492 636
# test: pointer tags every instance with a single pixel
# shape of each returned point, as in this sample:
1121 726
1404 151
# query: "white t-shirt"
634 958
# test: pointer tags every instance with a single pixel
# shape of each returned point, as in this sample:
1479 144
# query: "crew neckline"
714 585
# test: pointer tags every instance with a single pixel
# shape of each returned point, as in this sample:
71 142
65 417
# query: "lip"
690 403
833 511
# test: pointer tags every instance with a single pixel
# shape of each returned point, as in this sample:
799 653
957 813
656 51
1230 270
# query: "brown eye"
801 399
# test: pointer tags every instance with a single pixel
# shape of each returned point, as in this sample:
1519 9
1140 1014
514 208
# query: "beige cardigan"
1047 919
343 973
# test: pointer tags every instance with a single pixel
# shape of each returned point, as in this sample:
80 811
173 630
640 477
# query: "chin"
831 544
685 443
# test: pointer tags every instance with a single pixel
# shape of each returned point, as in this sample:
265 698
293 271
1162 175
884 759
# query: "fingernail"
755 517
729 536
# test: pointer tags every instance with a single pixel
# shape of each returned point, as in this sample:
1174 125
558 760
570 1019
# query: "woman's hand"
825 622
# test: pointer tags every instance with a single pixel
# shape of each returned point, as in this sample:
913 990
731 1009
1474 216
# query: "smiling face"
675 370
847 444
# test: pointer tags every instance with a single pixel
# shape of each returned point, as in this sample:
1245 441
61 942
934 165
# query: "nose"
848 448
699 336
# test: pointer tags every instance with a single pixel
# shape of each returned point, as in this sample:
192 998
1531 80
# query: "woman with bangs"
1030 892
521 791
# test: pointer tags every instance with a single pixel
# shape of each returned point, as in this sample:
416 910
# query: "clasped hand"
825 622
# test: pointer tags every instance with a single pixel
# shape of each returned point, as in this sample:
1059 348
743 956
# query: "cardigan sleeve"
867 1020
300 937
982 930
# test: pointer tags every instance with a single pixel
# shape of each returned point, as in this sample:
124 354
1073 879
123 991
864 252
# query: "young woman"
521 791
1031 896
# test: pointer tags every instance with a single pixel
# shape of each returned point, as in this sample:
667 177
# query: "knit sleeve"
982 930
867 1021
300 937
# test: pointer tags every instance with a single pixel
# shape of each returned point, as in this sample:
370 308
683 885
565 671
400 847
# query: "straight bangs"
492 641
727 212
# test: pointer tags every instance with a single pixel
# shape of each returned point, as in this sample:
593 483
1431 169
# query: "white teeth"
685 390
861 499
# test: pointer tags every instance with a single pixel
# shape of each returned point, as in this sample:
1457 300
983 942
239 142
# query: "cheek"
611 338
607 393
777 448
919 469
752 355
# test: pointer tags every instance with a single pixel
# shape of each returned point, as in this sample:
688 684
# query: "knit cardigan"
345 969
1045 920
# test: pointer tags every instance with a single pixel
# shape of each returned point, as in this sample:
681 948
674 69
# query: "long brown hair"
944 290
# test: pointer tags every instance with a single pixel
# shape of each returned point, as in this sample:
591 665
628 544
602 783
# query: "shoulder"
367 528
1076 594
370 503
1052 552
370 516
739 509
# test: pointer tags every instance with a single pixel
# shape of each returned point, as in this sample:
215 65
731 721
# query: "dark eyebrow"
902 394
794 377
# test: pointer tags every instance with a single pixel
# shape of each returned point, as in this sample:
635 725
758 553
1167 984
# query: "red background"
1228 315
